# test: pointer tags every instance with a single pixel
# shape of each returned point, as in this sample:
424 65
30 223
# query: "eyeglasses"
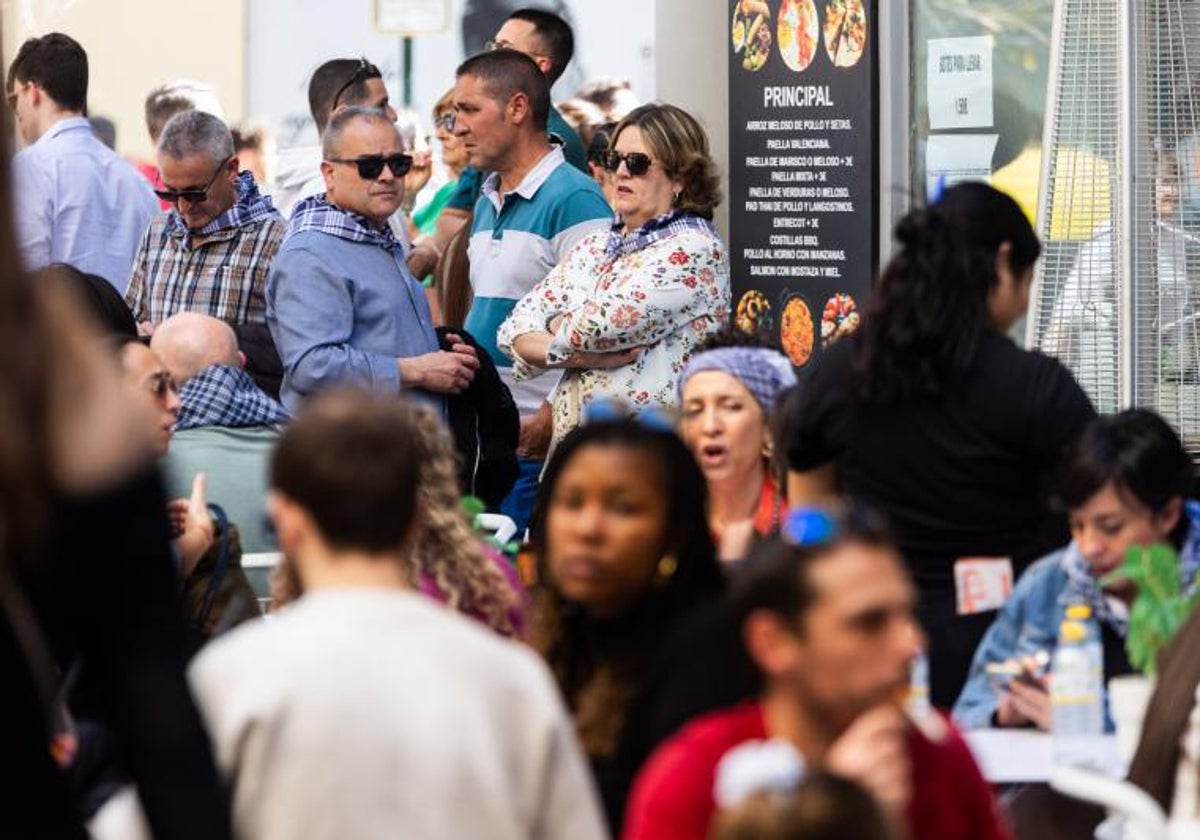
370 167
161 384
193 195
365 70
637 163
446 122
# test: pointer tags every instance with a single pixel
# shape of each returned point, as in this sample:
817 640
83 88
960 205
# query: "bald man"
189 342
227 425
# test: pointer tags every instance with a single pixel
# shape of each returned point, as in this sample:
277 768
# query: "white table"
1012 756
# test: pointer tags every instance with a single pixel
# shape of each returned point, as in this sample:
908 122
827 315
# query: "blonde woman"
449 562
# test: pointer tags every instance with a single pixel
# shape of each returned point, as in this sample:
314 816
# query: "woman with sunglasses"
454 159
932 414
625 558
622 313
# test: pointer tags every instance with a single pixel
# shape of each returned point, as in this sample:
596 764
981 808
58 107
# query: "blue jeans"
518 504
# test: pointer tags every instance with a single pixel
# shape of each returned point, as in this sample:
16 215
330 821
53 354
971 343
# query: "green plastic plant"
1160 607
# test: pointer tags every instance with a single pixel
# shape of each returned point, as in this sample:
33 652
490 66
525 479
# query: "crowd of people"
731 571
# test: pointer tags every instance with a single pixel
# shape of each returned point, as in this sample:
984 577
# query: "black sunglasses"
370 167
195 196
365 70
637 163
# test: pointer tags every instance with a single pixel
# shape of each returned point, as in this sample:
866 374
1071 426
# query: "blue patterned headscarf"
765 373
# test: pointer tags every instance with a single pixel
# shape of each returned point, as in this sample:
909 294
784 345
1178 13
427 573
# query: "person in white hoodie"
366 710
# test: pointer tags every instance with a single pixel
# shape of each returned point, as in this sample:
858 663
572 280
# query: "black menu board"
803 179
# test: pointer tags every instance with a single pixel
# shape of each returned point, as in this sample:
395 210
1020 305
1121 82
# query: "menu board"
803 179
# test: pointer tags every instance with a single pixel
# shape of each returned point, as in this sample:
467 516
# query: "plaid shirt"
219 270
224 396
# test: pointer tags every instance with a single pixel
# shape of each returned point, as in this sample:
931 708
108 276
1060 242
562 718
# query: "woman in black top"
932 414
626 563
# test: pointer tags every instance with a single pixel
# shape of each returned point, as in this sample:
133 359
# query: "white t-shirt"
377 713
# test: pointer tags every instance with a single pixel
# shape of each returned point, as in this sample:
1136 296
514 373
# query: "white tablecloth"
1008 756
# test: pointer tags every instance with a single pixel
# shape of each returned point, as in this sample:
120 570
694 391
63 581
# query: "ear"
1170 515
241 359
517 110
327 174
544 64
234 167
1004 269
774 648
292 523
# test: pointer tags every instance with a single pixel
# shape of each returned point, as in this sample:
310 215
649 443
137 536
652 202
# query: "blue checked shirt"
226 396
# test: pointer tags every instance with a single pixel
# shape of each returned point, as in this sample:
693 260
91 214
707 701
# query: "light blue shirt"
345 312
79 202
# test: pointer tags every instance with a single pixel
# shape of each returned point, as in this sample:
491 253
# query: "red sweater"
672 798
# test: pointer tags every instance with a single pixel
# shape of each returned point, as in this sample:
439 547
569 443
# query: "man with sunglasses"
826 614
76 201
211 253
336 84
341 302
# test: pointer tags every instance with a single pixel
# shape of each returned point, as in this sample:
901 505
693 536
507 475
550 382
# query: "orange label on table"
982 583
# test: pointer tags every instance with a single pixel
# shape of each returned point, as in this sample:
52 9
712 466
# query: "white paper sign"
959 80
412 17
953 158
982 584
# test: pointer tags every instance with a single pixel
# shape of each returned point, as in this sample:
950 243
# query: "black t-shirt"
963 474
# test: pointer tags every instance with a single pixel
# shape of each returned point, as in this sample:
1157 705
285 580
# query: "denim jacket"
1030 619
1028 623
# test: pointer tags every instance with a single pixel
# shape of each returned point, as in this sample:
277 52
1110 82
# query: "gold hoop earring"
666 569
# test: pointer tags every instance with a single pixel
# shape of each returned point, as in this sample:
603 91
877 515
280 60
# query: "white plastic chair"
501 526
1144 817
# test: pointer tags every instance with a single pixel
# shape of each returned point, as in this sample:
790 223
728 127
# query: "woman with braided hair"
930 413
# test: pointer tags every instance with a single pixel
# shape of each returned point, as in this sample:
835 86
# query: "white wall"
288 39
692 72
135 45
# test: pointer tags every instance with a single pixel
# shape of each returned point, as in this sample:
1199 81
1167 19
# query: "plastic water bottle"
1077 694
918 687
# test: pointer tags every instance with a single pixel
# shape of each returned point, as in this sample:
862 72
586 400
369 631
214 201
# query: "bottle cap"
1079 612
1072 631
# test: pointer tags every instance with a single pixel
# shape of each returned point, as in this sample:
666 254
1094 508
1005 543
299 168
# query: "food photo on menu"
752 32
798 33
796 330
845 31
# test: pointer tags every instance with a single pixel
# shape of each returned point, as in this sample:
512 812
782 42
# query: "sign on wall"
803 176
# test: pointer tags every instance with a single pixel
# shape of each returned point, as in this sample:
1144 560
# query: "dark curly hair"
599 682
680 145
923 324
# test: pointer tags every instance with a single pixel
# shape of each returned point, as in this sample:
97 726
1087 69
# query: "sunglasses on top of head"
365 70
370 167
192 194
637 163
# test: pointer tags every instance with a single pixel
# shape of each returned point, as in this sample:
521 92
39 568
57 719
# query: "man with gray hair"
212 251
226 427
164 102
341 303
